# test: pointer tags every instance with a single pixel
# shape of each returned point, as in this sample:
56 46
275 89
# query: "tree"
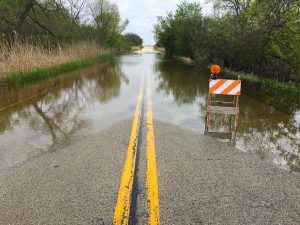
255 36
134 39
16 14
165 34
107 20
174 31
75 8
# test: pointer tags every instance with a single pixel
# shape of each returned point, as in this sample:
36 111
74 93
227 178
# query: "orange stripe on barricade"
230 87
216 86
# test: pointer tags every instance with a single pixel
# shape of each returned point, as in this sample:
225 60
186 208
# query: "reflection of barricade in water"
222 87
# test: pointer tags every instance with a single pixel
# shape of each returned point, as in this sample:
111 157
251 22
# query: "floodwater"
38 118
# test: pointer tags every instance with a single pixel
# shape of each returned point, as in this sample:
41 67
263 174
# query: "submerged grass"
268 85
284 96
39 73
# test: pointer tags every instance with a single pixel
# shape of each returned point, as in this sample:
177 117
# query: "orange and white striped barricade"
223 87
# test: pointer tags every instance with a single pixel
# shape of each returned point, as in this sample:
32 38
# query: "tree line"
255 36
64 21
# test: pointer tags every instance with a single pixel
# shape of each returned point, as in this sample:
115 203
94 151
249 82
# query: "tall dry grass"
24 57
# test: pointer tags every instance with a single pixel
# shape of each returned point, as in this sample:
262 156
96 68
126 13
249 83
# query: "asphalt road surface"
140 171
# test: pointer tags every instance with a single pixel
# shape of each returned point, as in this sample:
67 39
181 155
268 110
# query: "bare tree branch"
41 25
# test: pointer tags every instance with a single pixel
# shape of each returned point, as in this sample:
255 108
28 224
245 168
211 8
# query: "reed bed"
25 57
39 73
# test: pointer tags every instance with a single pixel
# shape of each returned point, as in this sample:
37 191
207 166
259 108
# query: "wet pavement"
63 143
200 180
89 100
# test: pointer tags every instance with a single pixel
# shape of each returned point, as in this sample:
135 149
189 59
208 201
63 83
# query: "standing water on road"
40 117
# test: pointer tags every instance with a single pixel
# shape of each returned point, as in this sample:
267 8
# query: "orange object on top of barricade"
215 69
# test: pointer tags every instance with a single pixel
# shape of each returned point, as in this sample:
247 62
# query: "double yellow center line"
152 187
122 210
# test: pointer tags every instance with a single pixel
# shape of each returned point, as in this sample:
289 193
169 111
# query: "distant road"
147 49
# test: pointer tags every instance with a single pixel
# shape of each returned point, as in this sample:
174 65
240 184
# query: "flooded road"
38 118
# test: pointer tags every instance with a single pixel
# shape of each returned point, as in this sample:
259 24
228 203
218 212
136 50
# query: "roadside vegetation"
24 57
282 96
39 73
129 41
259 37
44 33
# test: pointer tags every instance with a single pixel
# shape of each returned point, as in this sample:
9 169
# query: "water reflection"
272 135
30 127
184 87
89 100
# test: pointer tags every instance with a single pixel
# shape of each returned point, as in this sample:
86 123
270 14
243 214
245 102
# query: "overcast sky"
142 14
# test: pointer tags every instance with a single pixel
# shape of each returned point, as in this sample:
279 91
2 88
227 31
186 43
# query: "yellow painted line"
152 184
122 210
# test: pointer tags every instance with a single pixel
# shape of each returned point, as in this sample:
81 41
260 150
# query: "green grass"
284 96
269 85
44 72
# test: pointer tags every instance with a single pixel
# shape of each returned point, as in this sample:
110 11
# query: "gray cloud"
142 14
